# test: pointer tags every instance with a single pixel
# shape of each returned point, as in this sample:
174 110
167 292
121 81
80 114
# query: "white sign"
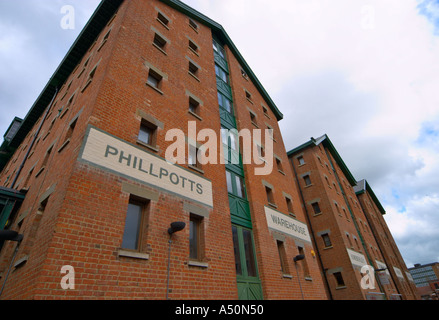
289 226
111 153
357 259
398 273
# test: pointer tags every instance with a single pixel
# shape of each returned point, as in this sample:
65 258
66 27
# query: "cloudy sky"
365 72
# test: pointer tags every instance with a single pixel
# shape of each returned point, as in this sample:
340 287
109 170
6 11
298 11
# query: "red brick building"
349 232
86 182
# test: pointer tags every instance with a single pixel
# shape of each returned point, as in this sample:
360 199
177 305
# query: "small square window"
193 24
289 204
147 133
194 155
248 96
193 69
253 119
193 47
326 240
316 208
307 180
194 106
279 165
160 42
270 196
339 279
162 19
154 79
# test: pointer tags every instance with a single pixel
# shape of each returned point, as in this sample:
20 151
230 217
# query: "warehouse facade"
108 178
348 228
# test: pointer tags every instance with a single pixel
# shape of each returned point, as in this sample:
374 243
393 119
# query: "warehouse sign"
120 157
357 259
282 223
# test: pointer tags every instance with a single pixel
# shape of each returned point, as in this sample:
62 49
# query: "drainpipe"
33 141
312 232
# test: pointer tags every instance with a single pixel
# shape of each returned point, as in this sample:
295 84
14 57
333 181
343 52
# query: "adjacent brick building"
86 182
349 231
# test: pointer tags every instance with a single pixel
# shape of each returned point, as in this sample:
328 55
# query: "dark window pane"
237 252
193 238
132 227
249 253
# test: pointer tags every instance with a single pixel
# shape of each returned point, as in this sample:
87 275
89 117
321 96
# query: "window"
279 165
326 240
301 161
282 257
133 226
46 157
270 197
218 49
339 279
162 19
193 25
194 106
193 69
265 110
235 184
159 42
244 74
289 205
224 103
248 96
193 47
194 155
147 133
307 180
220 73
253 119
154 79
195 237
229 182
261 151
316 208
240 192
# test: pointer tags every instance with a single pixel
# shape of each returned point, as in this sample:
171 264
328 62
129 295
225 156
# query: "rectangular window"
307 180
249 253
195 237
220 73
339 279
236 248
193 25
229 182
270 197
282 257
248 96
301 161
326 240
253 119
133 223
289 205
240 192
224 103
193 69
160 42
279 165
194 155
162 19
147 133
193 47
316 208
194 106
154 79
46 157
